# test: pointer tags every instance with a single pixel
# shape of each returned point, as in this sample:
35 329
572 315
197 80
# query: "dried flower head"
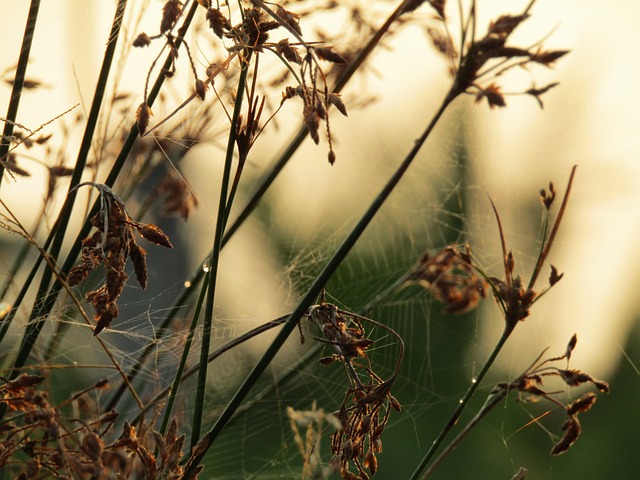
367 404
451 278
111 245
531 385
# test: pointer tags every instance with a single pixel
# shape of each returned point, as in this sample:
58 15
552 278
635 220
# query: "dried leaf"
138 257
548 58
42 139
25 381
290 18
570 346
218 22
288 52
582 404
327 360
554 277
104 318
336 101
493 96
153 234
329 55
442 42
506 24
93 446
201 89
143 114
171 12
572 430
60 171
142 40
537 92
521 474
395 404
371 462
12 166
574 378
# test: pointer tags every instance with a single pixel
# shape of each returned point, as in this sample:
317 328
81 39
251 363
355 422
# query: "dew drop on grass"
206 266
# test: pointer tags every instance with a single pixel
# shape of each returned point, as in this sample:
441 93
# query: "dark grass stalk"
18 83
314 291
264 186
417 474
173 392
212 276
44 307
62 222
492 401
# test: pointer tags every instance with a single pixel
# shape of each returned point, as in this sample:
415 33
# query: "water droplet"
474 380
187 284
206 266
460 401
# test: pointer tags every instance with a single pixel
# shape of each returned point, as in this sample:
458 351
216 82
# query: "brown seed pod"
143 114
153 234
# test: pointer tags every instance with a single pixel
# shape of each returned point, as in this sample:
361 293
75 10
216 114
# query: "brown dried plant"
249 39
75 440
452 279
511 294
41 439
367 404
479 63
530 386
110 245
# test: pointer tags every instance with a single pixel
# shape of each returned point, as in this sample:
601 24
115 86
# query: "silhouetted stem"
461 406
214 259
183 361
18 83
491 402
44 301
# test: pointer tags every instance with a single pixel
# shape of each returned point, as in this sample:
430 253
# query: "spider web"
270 263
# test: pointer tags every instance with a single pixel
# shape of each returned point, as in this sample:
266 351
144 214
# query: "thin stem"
18 83
214 259
314 291
491 402
461 406
183 361
60 227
